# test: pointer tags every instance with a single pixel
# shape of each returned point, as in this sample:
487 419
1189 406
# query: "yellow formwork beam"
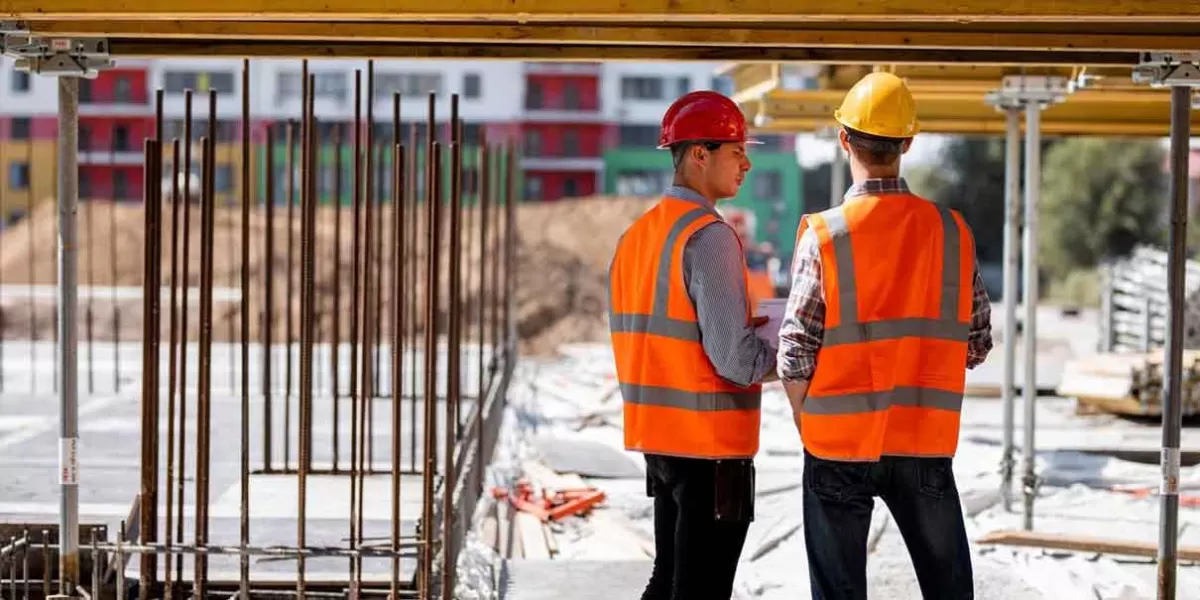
667 11
1086 112
826 35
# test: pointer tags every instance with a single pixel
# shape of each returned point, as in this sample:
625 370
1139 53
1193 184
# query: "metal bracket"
59 57
1018 91
1164 69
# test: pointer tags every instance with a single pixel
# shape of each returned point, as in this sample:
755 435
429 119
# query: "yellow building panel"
613 10
27 174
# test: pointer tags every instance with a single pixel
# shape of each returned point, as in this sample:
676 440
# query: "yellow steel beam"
825 35
1087 112
677 11
224 47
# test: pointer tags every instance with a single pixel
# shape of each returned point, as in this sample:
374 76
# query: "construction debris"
548 506
1128 383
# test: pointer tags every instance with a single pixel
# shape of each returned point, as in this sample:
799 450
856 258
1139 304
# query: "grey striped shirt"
714 274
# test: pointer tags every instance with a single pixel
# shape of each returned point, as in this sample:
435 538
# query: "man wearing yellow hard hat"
886 313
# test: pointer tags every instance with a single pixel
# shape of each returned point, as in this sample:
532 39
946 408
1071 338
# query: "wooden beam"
826 36
676 11
149 48
1058 541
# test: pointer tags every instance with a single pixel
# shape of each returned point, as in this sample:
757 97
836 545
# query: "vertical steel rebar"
68 192
397 349
46 566
449 551
244 504
485 192
268 297
288 293
183 320
355 396
335 351
204 415
497 254
369 312
510 257
148 521
432 284
307 292
172 370
1172 399
1012 256
413 268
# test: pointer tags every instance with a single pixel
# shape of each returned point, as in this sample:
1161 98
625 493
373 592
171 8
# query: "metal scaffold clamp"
1017 91
1165 69
54 56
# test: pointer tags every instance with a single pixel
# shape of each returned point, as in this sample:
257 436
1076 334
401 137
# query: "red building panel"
116 86
563 140
103 182
97 134
40 128
549 186
556 91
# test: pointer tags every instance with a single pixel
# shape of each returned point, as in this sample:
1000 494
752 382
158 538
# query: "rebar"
244 508
449 551
432 286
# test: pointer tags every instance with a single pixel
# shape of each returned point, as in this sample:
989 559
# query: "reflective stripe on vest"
675 402
891 369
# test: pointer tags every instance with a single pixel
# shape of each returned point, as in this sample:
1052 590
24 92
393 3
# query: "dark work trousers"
696 554
923 500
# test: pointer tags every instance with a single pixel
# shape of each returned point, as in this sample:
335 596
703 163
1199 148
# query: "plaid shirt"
803 327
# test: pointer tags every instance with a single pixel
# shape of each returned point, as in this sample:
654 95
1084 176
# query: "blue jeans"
922 497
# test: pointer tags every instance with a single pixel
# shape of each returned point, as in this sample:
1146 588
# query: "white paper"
772 308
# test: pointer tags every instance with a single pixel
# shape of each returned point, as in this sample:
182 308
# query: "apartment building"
583 128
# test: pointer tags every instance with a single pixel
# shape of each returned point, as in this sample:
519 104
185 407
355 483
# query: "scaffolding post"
1012 265
1182 74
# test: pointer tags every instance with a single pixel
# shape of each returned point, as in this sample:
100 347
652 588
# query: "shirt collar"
689 195
882 185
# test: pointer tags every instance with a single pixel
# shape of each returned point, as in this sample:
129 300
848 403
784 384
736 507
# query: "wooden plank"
533 539
678 11
1058 541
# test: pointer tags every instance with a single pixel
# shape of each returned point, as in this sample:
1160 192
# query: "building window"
120 185
643 136
533 143
533 187
406 84
642 88
472 133
85 185
533 96
470 181
123 90
570 188
85 137
85 91
18 176
571 95
684 85
571 143
20 82
121 138
722 84
472 85
20 128
175 82
768 185
330 85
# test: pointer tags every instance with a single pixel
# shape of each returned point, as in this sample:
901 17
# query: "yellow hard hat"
880 104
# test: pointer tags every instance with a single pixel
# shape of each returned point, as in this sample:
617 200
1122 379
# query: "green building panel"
772 190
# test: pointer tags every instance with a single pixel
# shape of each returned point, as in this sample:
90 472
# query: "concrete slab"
587 458
585 579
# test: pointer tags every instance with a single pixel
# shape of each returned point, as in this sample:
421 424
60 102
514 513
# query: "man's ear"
907 144
699 152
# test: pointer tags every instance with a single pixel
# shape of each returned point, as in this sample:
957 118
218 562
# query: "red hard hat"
703 116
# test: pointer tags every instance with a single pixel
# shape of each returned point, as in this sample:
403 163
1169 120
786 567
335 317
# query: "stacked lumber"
1135 302
1129 383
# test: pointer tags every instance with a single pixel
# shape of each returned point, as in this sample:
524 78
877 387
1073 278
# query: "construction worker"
886 313
688 359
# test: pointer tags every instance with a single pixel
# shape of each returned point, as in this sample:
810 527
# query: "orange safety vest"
675 402
760 287
897 281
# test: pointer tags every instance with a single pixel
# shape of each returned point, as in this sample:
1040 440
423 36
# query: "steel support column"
1172 394
68 199
1012 257
1033 184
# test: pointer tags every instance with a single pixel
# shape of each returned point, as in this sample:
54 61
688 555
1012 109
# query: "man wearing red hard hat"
689 362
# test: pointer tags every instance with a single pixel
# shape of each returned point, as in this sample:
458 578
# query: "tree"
970 179
1100 198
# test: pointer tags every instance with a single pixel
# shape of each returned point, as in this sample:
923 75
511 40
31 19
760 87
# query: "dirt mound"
562 253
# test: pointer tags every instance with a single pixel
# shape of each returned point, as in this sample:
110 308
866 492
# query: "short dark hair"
874 149
680 150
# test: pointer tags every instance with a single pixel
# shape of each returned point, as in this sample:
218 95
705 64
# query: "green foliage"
1100 198
969 179
1078 288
